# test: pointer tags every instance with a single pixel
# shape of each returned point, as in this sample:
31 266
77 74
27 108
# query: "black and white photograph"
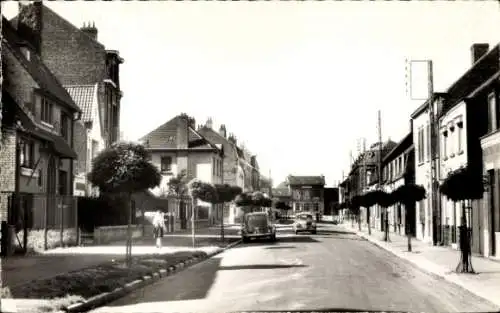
206 156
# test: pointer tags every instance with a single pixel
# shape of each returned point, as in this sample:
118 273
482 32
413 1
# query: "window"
460 136
420 145
64 126
46 112
40 178
428 133
166 164
63 182
27 153
452 141
492 112
445 144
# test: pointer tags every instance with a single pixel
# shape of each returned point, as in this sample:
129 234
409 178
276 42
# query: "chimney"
209 123
182 133
90 30
478 50
30 24
222 131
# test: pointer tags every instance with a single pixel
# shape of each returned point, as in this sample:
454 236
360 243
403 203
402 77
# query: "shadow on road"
259 267
281 247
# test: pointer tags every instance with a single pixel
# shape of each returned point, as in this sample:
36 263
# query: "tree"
203 191
368 200
385 200
226 193
408 195
243 199
461 185
177 186
124 168
354 206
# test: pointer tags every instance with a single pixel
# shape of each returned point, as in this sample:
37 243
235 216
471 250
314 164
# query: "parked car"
257 225
304 222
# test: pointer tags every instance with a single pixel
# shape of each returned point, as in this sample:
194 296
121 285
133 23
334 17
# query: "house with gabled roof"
37 152
89 137
240 166
177 147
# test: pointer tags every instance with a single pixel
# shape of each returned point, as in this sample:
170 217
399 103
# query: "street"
331 270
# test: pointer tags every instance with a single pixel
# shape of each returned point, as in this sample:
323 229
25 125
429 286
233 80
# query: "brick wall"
69 53
7 169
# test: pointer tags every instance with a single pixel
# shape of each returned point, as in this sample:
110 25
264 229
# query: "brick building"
307 194
38 130
84 66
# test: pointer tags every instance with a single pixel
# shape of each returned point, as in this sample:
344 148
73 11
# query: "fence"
41 221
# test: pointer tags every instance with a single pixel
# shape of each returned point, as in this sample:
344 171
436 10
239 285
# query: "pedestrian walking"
158 228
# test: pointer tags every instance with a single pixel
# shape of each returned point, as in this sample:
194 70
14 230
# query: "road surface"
331 270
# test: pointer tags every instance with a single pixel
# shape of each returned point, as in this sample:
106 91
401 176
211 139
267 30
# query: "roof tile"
85 96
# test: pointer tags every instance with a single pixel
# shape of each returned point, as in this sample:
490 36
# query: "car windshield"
257 220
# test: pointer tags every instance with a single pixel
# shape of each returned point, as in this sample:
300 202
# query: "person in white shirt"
158 228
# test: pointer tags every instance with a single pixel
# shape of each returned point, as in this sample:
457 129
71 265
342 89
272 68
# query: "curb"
428 267
106 297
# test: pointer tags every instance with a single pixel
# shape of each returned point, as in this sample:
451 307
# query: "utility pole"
386 217
365 186
432 152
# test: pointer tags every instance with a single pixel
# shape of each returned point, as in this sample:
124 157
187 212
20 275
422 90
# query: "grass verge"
69 288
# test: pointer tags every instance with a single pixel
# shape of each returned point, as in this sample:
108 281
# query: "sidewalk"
441 261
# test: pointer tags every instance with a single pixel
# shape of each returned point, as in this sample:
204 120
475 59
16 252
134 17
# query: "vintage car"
304 222
257 225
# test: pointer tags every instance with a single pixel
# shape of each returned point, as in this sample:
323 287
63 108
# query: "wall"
452 158
69 53
7 169
422 177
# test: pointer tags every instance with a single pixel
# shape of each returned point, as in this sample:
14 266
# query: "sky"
299 83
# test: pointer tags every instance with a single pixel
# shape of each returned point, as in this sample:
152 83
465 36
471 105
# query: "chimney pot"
478 50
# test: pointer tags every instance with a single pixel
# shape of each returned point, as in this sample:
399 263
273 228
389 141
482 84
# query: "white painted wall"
422 177
453 155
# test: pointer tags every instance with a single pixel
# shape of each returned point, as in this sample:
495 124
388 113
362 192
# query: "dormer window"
451 127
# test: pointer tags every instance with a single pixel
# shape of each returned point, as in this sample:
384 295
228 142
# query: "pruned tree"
369 199
177 187
459 186
354 206
203 191
384 200
409 195
124 168
226 193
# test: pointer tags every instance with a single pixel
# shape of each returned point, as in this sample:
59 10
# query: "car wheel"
245 239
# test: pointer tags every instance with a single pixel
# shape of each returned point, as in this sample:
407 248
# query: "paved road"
332 270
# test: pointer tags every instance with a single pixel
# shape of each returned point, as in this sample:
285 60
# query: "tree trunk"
386 225
368 221
193 221
465 264
359 220
222 224
408 232
129 231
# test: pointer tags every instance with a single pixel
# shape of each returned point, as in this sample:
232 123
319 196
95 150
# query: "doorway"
492 199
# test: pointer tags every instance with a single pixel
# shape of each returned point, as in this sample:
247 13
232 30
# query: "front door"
492 200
